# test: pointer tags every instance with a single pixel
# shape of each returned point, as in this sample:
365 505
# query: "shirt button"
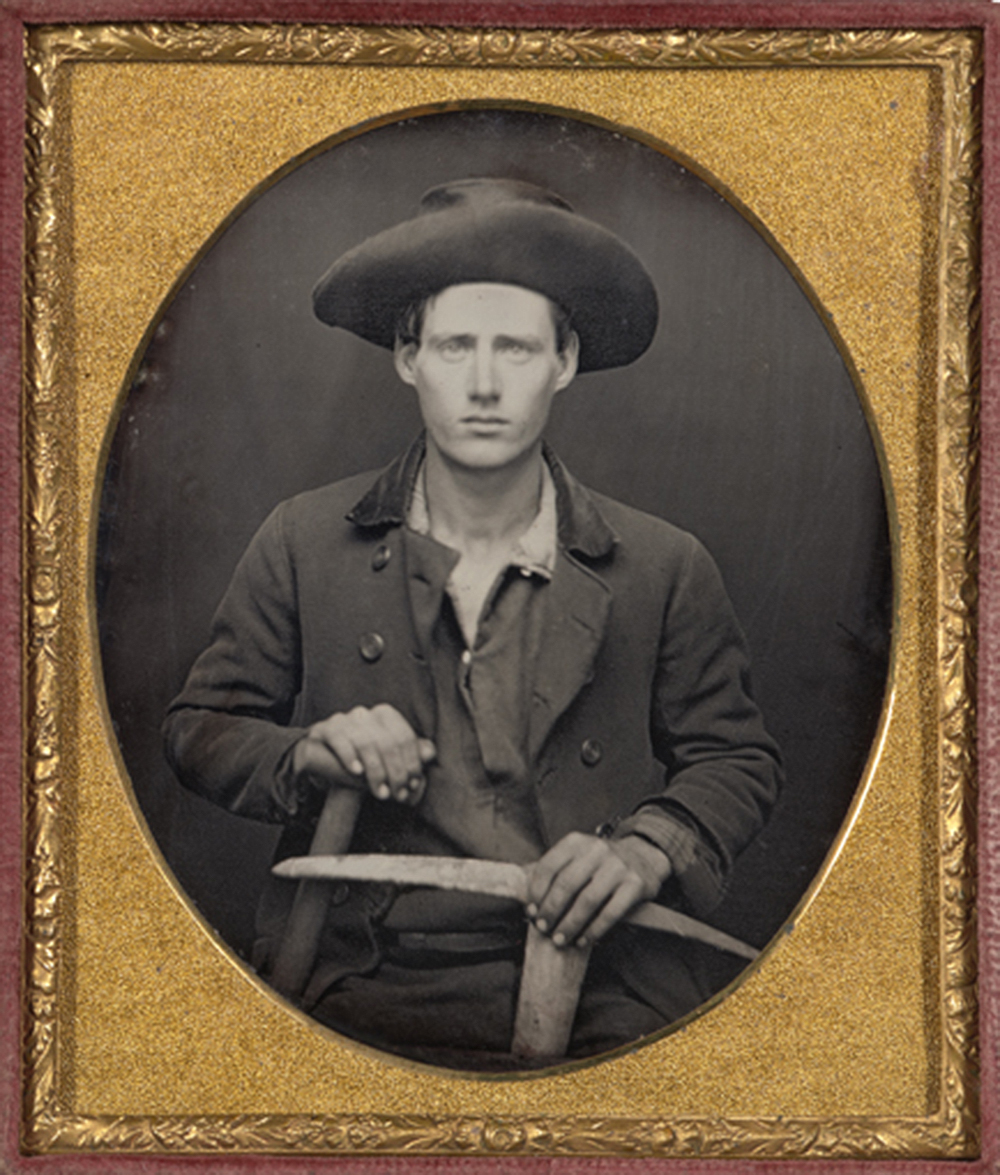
591 752
380 557
371 646
467 657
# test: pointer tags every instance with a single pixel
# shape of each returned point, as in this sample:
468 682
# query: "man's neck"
478 510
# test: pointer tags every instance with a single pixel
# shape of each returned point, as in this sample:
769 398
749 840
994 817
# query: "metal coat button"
591 752
380 557
371 646
339 894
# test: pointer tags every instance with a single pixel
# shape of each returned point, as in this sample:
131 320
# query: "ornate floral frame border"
953 1131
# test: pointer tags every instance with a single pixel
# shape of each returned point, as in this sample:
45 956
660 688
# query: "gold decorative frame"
52 643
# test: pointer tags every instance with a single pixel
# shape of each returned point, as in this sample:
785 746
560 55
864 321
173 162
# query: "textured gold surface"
856 1034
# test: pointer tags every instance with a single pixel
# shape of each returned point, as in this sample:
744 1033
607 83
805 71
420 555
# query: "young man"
509 666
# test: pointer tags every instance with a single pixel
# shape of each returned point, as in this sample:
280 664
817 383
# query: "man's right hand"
374 747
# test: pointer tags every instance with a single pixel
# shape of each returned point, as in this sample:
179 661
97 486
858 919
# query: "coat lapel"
577 614
579 601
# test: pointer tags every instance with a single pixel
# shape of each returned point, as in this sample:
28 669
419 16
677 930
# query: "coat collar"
582 529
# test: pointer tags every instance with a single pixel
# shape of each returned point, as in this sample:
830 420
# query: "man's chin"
488 454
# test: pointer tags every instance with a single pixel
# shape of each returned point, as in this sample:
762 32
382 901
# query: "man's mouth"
480 420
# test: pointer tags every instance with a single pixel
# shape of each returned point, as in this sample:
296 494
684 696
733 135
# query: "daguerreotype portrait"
538 557
499 618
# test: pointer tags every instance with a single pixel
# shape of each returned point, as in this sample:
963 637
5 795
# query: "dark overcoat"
641 692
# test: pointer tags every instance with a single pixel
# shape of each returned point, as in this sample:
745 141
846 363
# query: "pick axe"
551 977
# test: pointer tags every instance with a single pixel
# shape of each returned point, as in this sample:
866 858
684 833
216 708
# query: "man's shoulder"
325 507
652 558
639 530
346 491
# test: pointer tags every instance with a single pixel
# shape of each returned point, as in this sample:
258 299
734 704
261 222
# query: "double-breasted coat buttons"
371 646
591 752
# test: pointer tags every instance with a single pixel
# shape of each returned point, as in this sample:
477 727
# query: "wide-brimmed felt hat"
505 231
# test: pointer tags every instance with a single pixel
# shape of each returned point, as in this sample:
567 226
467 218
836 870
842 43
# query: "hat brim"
588 271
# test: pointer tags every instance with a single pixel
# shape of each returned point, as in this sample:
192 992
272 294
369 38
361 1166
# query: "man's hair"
410 324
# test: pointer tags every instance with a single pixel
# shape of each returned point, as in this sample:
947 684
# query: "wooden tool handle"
550 990
300 942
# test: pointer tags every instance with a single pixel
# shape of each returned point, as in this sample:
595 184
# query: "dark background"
741 424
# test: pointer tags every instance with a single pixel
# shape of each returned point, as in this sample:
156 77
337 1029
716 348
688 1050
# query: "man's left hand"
584 885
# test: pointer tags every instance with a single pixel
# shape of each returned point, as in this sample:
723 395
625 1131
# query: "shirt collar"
581 528
534 551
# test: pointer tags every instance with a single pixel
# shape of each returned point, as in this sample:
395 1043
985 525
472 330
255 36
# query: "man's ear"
569 357
403 355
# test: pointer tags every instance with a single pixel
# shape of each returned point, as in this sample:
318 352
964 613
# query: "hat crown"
504 231
486 194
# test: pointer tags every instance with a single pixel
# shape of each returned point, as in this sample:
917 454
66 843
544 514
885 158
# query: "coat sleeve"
227 733
723 768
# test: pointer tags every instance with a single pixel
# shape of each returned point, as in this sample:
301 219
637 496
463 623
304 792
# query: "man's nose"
485 381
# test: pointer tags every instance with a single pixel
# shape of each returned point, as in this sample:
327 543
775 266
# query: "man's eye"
515 349
452 349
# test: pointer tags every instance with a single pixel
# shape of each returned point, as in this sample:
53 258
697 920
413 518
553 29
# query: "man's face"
485 371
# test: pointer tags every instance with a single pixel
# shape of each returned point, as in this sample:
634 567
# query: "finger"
415 794
397 732
568 883
426 750
332 732
366 744
544 871
338 740
388 738
611 913
315 758
417 784
587 903
399 751
396 774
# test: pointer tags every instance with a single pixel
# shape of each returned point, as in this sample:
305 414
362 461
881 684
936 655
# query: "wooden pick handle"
300 942
550 990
